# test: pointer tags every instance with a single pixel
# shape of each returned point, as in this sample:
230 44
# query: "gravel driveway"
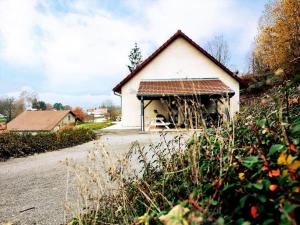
33 189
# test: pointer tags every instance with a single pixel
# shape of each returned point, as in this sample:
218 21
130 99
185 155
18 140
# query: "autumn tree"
135 58
78 111
19 107
219 49
278 41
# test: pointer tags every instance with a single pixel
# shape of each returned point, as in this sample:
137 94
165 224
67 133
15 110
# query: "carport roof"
181 87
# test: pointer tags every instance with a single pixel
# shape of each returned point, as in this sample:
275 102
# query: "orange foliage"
278 43
78 111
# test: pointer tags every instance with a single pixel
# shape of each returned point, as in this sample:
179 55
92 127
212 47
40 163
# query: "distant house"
165 83
41 121
99 115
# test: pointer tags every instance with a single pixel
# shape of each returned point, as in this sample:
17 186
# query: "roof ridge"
178 34
181 79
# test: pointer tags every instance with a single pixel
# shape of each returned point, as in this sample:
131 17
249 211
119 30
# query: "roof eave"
230 94
178 34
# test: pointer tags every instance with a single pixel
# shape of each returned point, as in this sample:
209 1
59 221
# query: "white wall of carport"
179 60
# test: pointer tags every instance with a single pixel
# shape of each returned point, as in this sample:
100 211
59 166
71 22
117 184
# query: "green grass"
95 126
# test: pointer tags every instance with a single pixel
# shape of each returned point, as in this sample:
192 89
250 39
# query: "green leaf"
275 148
268 221
289 207
295 129
250 161
220 221
214 202
262 198
262 122
243 201
258 186
246 223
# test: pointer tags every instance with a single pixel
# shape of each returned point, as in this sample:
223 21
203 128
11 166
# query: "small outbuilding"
179 85
42 121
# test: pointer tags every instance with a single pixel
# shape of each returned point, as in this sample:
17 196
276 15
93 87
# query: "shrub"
18 145
246 173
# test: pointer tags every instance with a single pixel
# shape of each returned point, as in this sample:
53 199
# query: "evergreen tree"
135 58
41 105
58 106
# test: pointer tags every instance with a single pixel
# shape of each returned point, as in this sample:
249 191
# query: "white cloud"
80 47
83 100
87 44
17 38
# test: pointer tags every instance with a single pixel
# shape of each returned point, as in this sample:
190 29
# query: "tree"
34 103
78 111
218 48
278 41
41 105
19 106
67 107
29 98
58 106
49 106
7 108
113 112
106 104
135 58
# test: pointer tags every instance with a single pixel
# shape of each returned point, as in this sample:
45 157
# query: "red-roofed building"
42 121
174 79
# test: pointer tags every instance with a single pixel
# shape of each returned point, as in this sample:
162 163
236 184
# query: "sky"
76 51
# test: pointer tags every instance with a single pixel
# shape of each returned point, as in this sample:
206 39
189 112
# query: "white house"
177 72
99 115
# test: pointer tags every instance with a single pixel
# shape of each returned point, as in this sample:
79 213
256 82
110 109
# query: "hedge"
19 145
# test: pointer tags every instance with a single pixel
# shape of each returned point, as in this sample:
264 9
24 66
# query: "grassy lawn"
95 126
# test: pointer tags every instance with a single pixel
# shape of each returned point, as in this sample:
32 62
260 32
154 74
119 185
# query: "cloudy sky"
76 51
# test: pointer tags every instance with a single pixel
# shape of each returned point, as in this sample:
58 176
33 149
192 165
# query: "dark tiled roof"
183 87
178 34
37 120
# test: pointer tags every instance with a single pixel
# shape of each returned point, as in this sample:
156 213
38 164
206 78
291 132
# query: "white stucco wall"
68 119
178 60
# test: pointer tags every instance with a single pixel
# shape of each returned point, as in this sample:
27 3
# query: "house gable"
35 121
179 59
181 36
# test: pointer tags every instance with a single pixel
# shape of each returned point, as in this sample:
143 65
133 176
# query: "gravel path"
33 189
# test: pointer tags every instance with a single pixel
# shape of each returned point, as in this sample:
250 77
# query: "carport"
182 102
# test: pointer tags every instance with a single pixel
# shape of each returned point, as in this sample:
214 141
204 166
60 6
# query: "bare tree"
113 111
7 107
219 49
29 98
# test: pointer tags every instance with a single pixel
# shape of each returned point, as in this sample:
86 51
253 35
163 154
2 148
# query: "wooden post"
142 114
185 114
